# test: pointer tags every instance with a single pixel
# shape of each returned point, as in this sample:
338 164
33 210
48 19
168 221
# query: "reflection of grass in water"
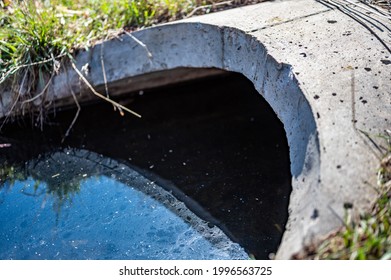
62 192
60 188
9 174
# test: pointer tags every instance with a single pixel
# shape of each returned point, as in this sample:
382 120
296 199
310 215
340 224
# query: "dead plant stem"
140 43
74 118
208 6
16 68
104 70
119 106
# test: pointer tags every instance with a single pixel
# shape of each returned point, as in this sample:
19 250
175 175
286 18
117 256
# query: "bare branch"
119 106
74 119
140 43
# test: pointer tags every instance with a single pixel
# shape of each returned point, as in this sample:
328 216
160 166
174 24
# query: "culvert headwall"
181 49
196 45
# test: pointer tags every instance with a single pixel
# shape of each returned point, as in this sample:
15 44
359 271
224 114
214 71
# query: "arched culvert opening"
199 46
215 143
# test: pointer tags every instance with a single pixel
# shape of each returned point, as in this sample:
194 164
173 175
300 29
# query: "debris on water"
5 145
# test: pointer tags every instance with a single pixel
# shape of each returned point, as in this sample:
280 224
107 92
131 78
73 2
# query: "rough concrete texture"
325 70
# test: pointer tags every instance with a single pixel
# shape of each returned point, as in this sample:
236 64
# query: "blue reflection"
103 219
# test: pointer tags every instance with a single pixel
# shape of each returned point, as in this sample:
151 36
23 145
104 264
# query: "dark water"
215 144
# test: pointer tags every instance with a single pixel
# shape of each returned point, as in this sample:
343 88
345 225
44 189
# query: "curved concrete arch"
197 45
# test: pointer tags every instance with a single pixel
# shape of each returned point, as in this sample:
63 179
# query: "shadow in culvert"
216 140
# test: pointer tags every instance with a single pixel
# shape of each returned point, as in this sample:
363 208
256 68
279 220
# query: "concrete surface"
324 68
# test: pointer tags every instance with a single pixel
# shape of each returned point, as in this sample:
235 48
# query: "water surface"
80 205
215 144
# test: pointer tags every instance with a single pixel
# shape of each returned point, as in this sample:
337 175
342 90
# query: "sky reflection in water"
104 219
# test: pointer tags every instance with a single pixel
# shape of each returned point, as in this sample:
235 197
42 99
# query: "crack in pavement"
289 20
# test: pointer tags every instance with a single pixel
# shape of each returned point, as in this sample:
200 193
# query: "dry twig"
117 105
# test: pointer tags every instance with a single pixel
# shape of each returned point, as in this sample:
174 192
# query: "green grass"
369 236
34 35
34 31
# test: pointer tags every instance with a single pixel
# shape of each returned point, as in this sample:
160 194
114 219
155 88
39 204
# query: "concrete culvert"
214 143
180 52
330 106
